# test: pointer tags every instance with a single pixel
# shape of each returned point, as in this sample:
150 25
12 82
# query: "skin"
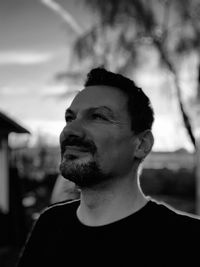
99 114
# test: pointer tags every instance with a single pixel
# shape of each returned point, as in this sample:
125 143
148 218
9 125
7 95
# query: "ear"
144 144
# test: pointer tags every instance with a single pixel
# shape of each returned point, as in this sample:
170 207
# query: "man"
106 138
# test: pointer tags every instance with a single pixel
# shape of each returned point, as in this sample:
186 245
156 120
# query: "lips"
75 149
74 152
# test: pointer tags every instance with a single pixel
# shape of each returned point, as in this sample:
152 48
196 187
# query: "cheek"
113 147
106 142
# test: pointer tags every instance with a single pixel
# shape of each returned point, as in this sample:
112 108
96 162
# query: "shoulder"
60 208
59 211
171 215
175 231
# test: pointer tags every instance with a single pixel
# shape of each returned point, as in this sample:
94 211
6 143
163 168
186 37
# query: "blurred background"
46 49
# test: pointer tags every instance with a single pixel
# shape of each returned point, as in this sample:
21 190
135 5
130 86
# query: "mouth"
73 152
75 149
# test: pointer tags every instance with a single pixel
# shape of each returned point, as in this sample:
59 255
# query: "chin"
85 174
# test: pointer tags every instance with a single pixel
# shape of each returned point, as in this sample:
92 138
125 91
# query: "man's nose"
73 129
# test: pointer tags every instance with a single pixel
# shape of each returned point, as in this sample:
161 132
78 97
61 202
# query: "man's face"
97 141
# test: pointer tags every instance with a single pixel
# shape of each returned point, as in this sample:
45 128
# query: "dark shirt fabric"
153 236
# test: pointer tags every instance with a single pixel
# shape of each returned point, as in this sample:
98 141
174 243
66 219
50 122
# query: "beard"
84 175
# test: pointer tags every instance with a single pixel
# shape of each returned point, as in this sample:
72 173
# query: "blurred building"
10 201
175 160
7 125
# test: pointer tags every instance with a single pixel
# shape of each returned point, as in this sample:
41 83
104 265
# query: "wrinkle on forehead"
95 96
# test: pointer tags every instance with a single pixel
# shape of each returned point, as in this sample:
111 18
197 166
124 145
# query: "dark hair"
139 105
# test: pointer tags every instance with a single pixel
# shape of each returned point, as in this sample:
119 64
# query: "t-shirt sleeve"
33 250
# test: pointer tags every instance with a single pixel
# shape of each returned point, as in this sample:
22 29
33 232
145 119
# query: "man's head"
108 130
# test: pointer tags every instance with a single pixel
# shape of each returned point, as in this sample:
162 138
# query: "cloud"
12 91
59 91
24 57
52 90
64 14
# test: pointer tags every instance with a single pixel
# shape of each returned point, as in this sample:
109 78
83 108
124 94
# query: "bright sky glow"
24 57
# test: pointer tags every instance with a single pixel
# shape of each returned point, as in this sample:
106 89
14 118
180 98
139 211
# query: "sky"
35 41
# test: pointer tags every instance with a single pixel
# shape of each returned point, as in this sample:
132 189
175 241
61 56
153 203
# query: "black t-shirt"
153 236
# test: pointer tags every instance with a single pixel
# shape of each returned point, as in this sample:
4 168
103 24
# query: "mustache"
79 142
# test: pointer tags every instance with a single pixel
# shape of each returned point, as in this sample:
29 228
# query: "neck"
109 203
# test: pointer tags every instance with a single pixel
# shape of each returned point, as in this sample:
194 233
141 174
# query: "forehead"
94 96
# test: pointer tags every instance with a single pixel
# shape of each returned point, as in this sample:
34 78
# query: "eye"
98 116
